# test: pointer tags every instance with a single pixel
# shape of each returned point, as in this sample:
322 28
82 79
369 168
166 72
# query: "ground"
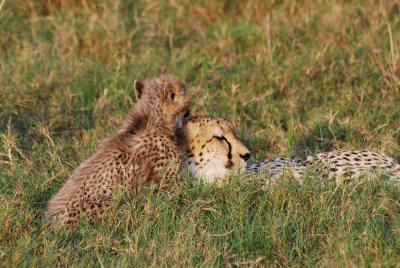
299 74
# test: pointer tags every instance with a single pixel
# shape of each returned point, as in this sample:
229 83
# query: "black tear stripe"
229 145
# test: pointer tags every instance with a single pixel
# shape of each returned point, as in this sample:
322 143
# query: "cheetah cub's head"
165 99
212 150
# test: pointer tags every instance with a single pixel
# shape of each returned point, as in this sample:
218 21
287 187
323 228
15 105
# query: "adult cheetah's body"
337 163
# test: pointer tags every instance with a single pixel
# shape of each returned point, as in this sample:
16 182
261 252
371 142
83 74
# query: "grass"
327 71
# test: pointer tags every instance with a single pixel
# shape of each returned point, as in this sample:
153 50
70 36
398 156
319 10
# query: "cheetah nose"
187 113
245 157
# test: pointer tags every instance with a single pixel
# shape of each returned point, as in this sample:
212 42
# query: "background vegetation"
327 70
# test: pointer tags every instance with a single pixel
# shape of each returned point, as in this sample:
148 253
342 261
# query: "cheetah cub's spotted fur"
338 164
212 150
145 148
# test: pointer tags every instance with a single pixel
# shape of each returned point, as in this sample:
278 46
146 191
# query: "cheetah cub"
338 164
142 152
212 150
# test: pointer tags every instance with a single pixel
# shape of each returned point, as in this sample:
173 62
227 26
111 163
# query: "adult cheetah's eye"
219 138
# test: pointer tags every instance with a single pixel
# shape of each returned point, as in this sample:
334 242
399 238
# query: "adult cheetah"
144 151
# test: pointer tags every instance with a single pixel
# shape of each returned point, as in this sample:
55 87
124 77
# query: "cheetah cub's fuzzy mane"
338 164
144 151
212 149
158 105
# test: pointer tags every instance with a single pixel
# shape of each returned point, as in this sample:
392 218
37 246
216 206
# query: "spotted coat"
338 164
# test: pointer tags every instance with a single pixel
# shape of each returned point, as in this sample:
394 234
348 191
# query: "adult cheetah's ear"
171 89
139 87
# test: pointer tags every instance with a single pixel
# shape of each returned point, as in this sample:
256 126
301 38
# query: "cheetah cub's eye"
173 96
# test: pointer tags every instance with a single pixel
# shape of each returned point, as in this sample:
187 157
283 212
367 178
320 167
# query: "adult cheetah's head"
213 151
164 99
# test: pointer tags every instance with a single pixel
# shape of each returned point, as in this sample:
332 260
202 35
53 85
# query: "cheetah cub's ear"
171 91
139 87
